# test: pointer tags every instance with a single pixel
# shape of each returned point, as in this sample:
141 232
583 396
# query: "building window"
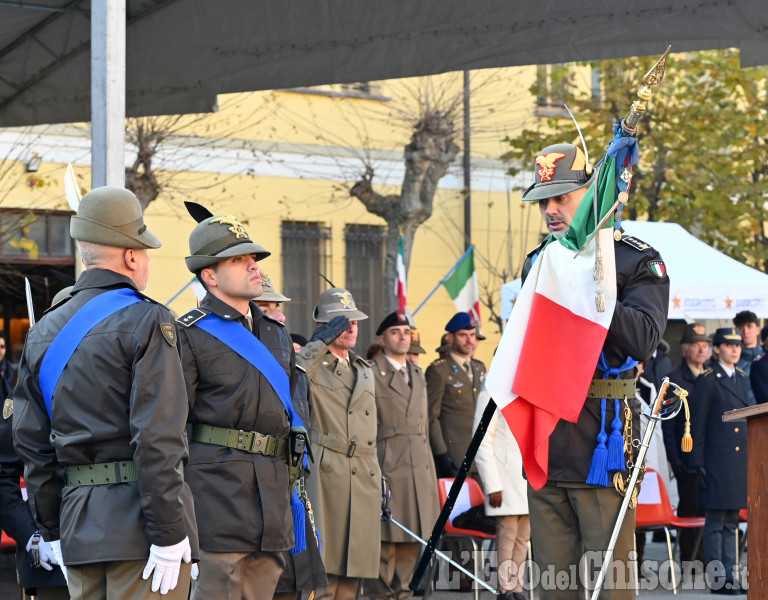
306 255
365 277
551 83
36 235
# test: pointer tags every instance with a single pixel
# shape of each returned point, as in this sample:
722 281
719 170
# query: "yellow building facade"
283 162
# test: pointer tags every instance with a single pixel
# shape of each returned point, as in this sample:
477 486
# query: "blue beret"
461 320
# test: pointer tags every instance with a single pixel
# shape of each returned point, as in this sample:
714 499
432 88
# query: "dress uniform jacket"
404 453
242 500
17 519
345 487
452 396
120 397
718 446
637 326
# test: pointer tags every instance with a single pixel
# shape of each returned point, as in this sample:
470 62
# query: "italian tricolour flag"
550 347
401 286
462 286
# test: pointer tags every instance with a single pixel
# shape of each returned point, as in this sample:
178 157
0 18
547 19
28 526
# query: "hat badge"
699 329
345 298
547 164
234 225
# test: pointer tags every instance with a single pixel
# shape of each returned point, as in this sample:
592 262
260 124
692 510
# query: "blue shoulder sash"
68 339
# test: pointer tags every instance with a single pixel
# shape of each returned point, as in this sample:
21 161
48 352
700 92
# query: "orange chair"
471 495
655 511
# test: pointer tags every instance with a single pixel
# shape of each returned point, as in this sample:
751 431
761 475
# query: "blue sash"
248 346
68 339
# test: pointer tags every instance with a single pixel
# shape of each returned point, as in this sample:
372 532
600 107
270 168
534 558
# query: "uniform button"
737 448
370 442
368 412
372 473
350 412
338 372
354 471
736 429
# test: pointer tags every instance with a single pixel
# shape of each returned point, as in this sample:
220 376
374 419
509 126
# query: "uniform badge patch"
169 333
8 408
658 268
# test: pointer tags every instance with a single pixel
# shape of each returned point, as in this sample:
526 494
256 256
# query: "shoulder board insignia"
439 361
707 372
743 372
7 408
192 317
635 243
169 333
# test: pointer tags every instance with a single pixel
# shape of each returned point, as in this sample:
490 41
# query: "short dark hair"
744 317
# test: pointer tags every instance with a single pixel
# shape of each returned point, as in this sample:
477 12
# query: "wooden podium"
757 495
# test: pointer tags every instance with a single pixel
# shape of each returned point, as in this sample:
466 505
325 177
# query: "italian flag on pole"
401 288
462 286
550 347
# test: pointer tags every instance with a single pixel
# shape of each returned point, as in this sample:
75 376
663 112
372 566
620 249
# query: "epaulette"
192 317
706 372
635 243
438 361
365 362
742 371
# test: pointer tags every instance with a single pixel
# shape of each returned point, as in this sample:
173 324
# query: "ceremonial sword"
30 306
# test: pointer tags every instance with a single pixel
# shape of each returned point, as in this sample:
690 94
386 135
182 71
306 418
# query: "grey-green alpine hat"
111 216
560 168
336 302
217 238
269 294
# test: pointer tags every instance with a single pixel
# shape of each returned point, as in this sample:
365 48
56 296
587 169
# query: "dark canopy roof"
182 53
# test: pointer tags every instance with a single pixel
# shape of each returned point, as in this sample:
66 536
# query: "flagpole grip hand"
330 330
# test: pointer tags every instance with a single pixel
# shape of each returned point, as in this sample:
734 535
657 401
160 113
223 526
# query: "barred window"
365 277
33 235
306 254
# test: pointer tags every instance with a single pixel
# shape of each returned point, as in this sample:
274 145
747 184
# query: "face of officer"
463 342
346 341
396 341
234 280
749 333
272 310
697 353
558 211
728 354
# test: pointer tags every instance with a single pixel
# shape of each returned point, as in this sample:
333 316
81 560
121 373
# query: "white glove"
56 549
195 571
45 552
165 561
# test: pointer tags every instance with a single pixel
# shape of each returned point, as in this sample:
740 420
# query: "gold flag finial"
652 79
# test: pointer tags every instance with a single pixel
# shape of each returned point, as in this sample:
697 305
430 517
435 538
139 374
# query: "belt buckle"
243 443
351 449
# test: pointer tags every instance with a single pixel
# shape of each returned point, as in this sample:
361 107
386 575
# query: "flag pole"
443 280
177 294
453 494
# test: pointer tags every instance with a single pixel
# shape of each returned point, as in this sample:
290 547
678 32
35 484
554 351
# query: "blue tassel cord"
299 521
616 441
598 467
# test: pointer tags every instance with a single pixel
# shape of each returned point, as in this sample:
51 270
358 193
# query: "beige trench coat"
345 488
404 452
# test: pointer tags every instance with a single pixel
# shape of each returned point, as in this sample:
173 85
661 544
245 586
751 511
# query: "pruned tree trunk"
431 151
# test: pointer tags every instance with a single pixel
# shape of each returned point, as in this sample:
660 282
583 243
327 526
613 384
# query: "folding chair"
655 511
471 495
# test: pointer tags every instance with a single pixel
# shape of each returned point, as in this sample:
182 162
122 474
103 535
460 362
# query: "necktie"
249 323
404 373
468 368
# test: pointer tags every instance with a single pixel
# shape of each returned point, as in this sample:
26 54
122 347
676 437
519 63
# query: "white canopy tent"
704 282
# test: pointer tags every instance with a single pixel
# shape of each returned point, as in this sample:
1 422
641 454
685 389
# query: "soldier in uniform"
404 456
345 489
568 516
696 352
453 384
236 360
99 418
720 453
303 571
